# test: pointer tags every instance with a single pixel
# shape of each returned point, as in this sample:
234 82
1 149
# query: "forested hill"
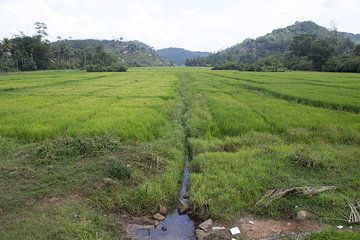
132 53
178 56
276 42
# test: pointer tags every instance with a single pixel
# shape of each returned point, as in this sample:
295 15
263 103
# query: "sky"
204 25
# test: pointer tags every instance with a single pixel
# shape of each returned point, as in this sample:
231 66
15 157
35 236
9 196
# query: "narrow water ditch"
176 226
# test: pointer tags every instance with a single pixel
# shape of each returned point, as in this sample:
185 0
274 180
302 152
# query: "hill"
178 56
133 53
276 42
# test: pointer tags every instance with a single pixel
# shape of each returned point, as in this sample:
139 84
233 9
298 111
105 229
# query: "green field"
78 150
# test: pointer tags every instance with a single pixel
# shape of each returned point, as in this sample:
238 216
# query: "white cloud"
196 25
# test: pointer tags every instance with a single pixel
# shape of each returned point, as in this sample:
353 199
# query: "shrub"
111 68
119 170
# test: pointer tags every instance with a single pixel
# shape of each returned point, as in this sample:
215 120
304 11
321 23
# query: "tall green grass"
257 141
106 143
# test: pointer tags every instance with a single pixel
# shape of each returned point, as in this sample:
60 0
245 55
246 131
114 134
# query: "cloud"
196 25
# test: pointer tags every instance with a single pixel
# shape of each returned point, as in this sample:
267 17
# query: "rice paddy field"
79 152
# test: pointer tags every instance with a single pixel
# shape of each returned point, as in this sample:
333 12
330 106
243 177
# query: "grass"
255 141
97 143
81 149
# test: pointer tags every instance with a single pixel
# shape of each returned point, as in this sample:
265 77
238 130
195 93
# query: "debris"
156 223
158 217
354 214
235 231
251 222
340 227
206 224
201 235
162 210
182 207
217 228
274 194
303 215
164 229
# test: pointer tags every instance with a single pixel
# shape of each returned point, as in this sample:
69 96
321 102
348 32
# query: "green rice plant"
260 141
61 132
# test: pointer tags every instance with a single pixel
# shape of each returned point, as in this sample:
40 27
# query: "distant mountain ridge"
276 42
178 56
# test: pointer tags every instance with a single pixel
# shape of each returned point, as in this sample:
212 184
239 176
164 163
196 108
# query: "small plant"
306 158
119 170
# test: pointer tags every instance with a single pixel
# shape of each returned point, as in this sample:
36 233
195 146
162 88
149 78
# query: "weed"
77 146
119 170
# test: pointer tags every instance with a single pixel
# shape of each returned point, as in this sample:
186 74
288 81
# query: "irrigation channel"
176 226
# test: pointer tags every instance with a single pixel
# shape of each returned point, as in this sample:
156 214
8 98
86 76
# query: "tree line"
307 52
30 53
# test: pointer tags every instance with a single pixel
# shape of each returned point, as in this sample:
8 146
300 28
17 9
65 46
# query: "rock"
148 221
186 195
158 217
162 210
164 229
156 223
131 228
206 225
217 229
182 207
201 235
303 215
251 222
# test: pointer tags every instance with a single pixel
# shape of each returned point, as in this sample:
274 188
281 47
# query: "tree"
307 46
41 29
357 51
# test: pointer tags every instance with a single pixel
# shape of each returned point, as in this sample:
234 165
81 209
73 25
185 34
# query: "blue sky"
196 25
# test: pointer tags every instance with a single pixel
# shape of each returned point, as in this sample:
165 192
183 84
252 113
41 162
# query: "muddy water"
175 226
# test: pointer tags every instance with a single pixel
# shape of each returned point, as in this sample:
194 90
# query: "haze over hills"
178 56
276 42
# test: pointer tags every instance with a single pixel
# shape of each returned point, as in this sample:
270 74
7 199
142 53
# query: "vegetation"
332 234
76 148
179 56
30 53
80 151
303 46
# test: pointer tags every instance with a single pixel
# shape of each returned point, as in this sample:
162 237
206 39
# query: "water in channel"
175 226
